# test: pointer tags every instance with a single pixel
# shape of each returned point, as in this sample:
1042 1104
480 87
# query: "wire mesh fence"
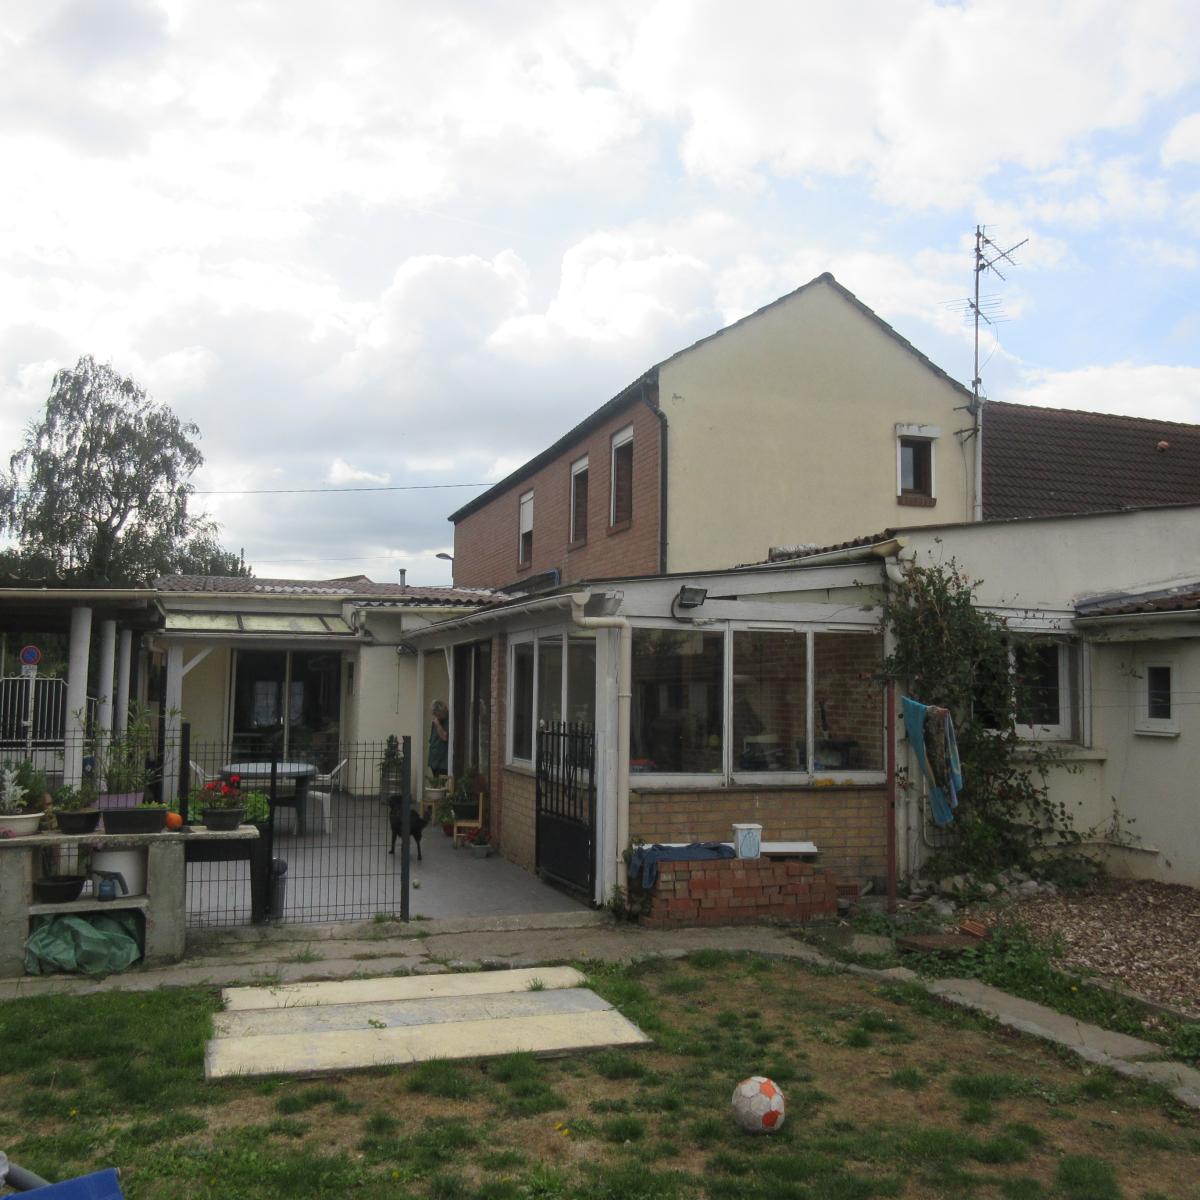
325 819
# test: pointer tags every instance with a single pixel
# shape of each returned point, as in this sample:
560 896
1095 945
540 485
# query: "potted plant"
75 810
480 846
122 763
17 819
220 805
145 818
434 791
390 766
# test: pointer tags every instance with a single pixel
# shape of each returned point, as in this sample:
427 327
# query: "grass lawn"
889 1094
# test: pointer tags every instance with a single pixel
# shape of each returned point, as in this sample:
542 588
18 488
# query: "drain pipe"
624 694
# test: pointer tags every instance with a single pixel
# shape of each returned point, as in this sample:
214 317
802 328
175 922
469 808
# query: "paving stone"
870 943
1040 1021
431 968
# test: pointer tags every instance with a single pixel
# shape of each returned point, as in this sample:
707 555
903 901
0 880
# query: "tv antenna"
986 308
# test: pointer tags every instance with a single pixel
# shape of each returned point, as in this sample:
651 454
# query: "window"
621 510
770 700
521 715
1157 707
525 545
847 702
914 464
1032 686
677 708
579 500
543 693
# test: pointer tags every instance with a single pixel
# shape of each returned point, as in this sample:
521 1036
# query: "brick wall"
519 840
849 707
485 541
846 822
728 891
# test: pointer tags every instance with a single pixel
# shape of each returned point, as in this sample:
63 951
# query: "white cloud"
1167 392
341 472
1183 142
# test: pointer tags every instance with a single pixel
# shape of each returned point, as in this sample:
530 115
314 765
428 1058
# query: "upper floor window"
1157 709
621 512
915 478
579 500
525 544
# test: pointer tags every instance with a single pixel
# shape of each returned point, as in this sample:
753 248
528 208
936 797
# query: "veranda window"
541 692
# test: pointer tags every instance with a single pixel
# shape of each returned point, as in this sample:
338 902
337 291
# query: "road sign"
29 670
30 656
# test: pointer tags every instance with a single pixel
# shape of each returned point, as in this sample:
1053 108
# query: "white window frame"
524 526
1144 723
727 776
623 437
536 637
577 468
1059 731
920 433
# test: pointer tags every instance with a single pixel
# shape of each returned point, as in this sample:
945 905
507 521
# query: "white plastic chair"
320 796
328 782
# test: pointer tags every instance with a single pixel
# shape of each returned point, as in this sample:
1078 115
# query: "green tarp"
91 944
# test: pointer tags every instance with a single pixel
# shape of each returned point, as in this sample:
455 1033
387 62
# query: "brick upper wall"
486 543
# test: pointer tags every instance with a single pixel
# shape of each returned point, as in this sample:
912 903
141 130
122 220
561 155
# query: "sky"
387 244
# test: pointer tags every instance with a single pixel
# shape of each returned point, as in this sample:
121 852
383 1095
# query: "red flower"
235 780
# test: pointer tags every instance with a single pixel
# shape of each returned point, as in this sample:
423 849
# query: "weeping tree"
100 487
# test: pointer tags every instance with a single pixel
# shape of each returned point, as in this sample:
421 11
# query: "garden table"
256 775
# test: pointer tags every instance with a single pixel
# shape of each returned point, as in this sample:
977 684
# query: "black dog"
416 823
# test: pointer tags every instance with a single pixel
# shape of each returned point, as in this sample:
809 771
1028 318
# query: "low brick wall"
517 834
732 890
845 820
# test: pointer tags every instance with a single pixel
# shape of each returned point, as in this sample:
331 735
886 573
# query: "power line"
408 487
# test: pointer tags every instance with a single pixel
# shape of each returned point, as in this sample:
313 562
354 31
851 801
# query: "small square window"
1157 709
916 467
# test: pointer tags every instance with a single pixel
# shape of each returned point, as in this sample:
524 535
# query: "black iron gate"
566 807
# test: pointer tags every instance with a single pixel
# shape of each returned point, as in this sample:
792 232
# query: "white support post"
172 722
124 662
420 740
104 691
77 672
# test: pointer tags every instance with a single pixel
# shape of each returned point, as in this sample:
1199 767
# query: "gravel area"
1142 935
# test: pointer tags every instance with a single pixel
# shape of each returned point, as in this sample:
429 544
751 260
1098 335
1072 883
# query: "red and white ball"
758 1105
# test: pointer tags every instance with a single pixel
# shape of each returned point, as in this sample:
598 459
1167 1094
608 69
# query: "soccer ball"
758 1105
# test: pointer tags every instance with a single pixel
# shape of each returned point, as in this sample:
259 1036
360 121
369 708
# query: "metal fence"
325 822
33 712
325 851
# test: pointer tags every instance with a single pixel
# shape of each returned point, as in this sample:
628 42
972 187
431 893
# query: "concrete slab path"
370 1023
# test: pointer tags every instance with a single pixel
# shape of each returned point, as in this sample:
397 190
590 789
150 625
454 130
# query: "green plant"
121 760
949 652
215 795
257 806
151 804
12 794
73 799
443 811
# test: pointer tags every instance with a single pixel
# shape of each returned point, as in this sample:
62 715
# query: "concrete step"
424 987
439 1010
343 1050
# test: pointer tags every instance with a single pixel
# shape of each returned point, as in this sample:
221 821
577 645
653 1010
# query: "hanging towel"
931 735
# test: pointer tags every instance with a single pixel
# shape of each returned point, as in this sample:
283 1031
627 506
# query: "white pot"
21 824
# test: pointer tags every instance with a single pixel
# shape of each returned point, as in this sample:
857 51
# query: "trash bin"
278 887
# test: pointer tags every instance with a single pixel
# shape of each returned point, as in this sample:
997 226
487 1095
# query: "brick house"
735 444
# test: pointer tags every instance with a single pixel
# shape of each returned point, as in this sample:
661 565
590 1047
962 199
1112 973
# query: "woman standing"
438 756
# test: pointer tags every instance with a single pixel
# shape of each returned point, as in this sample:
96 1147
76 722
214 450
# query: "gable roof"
1042 462
353 588
637 389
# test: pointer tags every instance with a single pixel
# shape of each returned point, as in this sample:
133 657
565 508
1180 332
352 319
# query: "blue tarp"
645 859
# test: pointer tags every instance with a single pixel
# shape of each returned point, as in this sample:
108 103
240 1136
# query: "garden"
889 1093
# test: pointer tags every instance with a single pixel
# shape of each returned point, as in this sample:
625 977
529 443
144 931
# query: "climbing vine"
949 652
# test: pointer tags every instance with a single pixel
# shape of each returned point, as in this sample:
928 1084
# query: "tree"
99 490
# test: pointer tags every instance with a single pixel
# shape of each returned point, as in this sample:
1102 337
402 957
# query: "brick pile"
734 890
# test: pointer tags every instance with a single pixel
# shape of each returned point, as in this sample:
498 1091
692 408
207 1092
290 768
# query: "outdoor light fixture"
688 597
442 554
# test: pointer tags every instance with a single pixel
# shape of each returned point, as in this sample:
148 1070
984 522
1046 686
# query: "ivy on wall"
948 652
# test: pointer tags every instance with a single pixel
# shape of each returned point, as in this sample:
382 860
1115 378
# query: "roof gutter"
1175 614
889 549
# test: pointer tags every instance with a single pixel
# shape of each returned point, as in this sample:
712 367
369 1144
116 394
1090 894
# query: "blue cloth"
931 735
645 859
100 1185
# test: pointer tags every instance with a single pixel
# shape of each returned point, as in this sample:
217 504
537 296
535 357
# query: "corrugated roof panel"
187 622
281 623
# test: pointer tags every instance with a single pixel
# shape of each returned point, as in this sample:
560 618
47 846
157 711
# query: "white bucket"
130 863
747 839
